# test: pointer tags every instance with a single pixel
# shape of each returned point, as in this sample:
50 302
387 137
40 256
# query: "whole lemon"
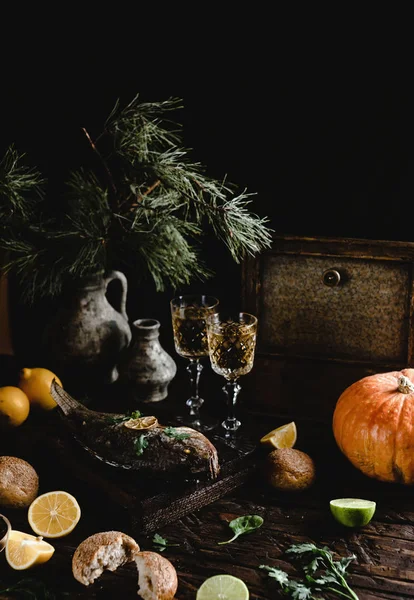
14 406
36 383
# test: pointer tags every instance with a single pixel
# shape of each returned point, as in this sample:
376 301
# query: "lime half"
353 512
223 587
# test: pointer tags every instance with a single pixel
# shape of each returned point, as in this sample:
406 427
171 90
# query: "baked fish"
140 444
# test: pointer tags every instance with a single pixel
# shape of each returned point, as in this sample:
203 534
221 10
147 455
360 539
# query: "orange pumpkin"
373 425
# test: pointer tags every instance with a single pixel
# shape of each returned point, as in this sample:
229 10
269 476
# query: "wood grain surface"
384 567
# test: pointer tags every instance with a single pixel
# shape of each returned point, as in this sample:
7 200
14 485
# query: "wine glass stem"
231 389
194 369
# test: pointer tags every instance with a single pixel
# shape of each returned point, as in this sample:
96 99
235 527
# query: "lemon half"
54 514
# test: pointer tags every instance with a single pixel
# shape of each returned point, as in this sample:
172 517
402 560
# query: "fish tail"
214 466
62 398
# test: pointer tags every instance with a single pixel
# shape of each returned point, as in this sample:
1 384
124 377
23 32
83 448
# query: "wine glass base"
231 426
199 422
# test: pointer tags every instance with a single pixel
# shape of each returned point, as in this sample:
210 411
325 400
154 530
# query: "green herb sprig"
321 573
135 414
177 435
243 525
160 543
140 444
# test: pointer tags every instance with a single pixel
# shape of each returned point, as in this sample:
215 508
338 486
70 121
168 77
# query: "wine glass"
232 344
189 314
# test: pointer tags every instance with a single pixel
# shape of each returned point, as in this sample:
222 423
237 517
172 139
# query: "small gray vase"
147 368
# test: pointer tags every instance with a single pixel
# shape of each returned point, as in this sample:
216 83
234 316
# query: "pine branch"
147 208
19 187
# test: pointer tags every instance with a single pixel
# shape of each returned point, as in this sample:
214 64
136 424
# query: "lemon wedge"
284 436
24 550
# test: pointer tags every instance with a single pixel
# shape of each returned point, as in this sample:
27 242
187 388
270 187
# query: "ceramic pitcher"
85 341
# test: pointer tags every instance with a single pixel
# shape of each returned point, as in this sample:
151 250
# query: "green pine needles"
143 205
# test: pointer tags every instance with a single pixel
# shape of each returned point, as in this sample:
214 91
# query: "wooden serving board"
149 504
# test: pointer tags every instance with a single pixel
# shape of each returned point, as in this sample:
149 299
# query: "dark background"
312 114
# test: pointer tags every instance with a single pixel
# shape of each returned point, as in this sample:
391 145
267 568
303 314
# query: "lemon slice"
24 550
284 436
352 512
54 514
223 587
142 423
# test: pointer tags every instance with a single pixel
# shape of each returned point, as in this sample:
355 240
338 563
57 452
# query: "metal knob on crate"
331 277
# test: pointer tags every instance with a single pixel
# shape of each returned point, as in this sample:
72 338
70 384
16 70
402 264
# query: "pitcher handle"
124 283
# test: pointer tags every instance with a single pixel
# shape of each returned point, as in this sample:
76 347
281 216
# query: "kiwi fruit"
289 469
19 482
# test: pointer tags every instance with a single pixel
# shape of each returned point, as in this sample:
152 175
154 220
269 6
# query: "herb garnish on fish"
173 433
140 444
135 414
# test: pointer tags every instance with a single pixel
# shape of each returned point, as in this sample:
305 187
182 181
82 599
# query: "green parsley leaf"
280 576
135 414
331 574
140 444
173 433
161 543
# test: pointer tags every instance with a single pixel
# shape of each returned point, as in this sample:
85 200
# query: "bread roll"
100 551
19 482
157 577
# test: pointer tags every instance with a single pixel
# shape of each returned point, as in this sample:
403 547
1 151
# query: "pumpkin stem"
404 385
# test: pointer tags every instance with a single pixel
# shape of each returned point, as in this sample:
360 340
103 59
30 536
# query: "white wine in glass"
232 345
189 314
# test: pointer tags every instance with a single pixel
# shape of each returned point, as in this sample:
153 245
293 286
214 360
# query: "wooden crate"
330 312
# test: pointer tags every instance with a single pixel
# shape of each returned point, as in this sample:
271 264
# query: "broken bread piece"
101 551
157 577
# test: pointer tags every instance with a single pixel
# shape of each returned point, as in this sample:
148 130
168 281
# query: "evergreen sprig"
144 205
19 187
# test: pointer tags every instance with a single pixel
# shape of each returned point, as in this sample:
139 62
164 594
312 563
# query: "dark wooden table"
384 549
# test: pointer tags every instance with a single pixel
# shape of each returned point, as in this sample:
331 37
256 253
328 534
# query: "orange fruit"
54 514
24 550
14 406
36 383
